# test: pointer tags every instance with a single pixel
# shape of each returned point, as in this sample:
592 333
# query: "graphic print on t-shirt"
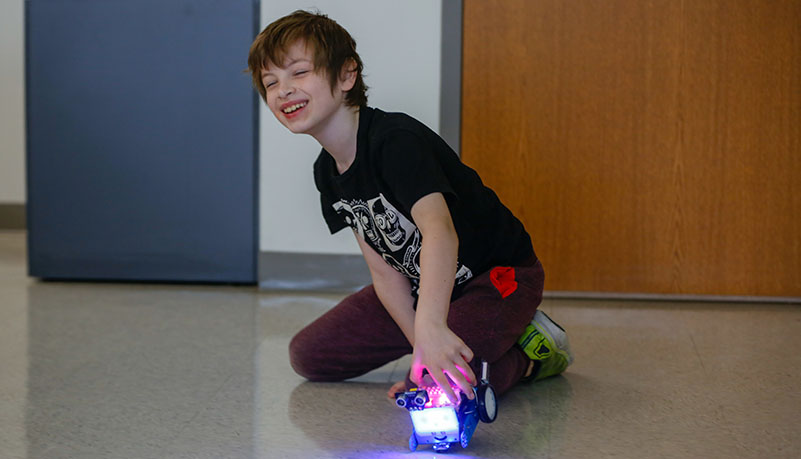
391 234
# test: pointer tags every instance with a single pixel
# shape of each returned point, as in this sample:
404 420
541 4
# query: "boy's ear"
347 77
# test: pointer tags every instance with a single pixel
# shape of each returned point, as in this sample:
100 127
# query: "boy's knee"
299 355
306 357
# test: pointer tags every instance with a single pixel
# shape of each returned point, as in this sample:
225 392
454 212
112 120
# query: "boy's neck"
339 138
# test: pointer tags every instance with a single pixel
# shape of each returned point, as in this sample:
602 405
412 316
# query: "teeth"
292 108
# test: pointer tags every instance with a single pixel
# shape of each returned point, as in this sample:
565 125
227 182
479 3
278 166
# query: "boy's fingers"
442 382
458 377
416 374
468 373
467 354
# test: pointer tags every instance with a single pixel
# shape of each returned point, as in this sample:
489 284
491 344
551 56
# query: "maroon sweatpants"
358 335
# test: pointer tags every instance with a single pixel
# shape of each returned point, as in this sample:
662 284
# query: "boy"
455 278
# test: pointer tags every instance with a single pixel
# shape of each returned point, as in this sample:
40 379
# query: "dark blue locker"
142 140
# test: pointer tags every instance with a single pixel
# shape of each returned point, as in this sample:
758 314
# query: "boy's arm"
437 348
392 288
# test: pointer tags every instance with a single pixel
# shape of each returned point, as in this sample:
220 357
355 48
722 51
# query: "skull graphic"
365 221
387 221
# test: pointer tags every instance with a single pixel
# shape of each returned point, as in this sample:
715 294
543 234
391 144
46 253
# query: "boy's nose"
285 90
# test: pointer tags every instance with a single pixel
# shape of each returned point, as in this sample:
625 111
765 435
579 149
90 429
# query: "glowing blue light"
435 420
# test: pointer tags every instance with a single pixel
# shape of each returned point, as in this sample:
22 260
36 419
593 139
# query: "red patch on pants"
503 278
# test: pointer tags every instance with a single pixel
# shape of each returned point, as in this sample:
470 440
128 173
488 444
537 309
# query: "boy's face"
299 96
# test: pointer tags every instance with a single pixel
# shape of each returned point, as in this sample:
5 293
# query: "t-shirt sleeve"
411 169
332 218
334 221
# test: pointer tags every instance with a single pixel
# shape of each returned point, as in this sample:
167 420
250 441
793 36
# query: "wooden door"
648 147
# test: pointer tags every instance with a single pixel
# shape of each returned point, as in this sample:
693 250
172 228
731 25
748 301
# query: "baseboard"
12 216
312 272
671 297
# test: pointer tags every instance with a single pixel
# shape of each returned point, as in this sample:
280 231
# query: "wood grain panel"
648 147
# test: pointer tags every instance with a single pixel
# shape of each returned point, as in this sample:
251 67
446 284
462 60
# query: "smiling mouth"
293 108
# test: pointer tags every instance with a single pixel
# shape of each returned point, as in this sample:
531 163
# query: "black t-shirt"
398 161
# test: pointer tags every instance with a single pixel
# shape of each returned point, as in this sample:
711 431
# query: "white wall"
399 43
12 103
13 342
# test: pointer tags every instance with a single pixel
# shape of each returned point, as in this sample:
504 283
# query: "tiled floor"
171 371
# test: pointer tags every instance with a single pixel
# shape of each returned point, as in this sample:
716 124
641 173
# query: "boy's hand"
444 355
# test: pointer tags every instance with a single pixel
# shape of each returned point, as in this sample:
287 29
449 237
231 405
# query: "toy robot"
438 421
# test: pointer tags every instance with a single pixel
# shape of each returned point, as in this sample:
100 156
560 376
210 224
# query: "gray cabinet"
142 140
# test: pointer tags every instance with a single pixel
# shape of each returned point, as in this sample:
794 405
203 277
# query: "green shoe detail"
546 343
552 366
535 344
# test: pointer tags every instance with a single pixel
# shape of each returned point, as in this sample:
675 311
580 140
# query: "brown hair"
331 44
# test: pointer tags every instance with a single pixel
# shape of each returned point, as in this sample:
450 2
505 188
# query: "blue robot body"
439 422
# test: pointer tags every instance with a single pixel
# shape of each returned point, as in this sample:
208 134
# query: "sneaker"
546 343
